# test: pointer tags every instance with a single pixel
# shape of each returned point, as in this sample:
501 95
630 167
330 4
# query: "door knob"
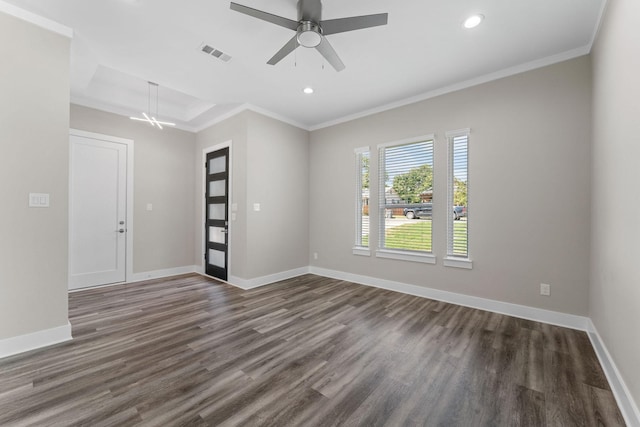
121 230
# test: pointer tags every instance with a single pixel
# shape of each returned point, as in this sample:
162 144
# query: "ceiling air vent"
212 51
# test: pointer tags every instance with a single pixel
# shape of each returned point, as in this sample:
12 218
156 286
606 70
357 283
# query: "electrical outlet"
545 289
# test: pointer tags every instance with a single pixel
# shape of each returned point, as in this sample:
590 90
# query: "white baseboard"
247 284
167 272
515 310
627 406
35 340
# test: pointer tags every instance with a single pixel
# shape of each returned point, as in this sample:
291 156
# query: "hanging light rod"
150 118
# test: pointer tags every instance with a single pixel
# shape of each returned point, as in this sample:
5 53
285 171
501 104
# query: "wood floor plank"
308 351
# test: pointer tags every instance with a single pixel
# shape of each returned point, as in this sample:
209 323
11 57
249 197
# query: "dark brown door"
216 220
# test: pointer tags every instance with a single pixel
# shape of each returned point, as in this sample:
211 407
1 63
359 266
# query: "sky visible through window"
400 159
415 155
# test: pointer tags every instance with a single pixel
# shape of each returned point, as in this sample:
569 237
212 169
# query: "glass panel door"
216 218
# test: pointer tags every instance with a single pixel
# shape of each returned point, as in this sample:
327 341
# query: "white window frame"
451 260
399 254
359 248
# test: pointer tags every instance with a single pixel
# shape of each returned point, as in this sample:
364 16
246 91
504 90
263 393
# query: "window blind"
406 196
458 223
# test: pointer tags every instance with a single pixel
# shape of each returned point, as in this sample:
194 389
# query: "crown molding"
507 72
38 20
250 107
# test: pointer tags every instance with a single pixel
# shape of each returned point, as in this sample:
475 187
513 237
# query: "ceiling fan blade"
274 19
286 50
334 26
330 55
310 10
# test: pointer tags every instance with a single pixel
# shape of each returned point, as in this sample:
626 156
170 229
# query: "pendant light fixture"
148 116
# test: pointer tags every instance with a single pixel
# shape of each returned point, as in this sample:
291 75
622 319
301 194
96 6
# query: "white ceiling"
119 45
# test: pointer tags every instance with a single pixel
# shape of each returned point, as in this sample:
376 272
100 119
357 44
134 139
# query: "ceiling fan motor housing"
309 34
310 29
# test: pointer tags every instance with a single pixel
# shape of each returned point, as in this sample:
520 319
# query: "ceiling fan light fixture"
309 34
473 21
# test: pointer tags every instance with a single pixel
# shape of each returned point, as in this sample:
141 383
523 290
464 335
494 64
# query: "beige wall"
529 188
234 131
277 179
163 176
269 166
34 136
615 271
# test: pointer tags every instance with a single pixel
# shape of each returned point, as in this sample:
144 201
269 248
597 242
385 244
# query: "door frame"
129 198
203 168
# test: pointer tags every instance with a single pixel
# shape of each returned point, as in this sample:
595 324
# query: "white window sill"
458 262
361 251
406 256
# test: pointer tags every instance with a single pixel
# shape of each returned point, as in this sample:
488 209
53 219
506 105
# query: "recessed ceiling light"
473 21
308 90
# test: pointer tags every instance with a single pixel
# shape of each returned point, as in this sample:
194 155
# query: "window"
457 200
362 201
406 200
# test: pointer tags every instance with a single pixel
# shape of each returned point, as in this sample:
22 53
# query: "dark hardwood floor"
309 351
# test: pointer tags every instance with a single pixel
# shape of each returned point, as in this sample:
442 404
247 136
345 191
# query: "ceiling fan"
311 29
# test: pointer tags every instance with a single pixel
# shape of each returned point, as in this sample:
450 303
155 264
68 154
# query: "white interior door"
98 212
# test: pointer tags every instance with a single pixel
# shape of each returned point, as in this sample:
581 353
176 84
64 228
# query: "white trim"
457 262
35 340
149 275
515 310
596 30
158 274
249 107
221 118
507 72
406 256
226 144
361 150
361 251
129 143
621 392
458 132
38 20
99 136
257 282
406 141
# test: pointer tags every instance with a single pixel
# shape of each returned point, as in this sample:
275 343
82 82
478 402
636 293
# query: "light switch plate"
38 200
545 289
256 207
